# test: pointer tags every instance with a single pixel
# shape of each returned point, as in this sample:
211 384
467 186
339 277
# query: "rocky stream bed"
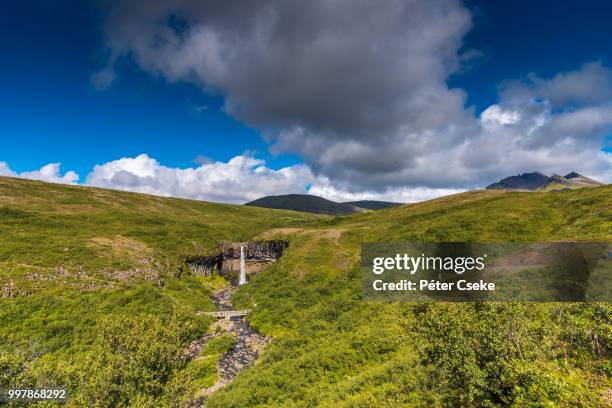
245 351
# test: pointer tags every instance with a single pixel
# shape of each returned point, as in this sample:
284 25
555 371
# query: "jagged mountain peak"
537 181
572 175
524 181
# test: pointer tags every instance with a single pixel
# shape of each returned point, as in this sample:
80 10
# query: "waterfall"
243 279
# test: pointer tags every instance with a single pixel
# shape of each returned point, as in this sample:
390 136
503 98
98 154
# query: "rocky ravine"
248 345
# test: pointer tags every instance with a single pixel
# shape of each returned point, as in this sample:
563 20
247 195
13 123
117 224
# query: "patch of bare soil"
120 246
276 232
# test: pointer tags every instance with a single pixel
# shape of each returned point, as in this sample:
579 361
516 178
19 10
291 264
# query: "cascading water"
243 279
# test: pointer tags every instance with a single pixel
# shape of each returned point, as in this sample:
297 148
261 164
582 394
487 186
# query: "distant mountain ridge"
372 204
537 181
318 205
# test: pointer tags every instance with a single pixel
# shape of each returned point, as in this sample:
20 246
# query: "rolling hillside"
93 299
355 353
90 286
65 231
373 204
304 203
319 205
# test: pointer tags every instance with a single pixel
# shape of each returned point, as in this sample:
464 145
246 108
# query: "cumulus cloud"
360 91
5 170
241 179
550 125
315 77
50 173
323 188
592 84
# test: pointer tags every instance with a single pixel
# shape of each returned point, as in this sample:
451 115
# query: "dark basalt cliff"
258 255
254 250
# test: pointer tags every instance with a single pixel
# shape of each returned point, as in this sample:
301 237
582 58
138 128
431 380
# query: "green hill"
91 232
336 350
94 300
319 205
304 203
373 205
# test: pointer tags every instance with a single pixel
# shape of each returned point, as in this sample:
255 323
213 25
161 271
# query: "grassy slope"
333 349
75 234
373 205
336 350
80 261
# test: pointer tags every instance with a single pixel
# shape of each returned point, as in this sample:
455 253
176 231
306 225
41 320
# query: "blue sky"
49 52
50 111
521 36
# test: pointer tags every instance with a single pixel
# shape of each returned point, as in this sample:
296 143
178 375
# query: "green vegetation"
373 204
114 329
335 349
198 374
91 294
306 203
319 205
53 235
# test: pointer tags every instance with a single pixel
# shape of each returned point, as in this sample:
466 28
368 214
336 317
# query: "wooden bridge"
228 314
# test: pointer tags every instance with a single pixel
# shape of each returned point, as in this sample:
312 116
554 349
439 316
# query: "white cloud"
5 170
241 179
351 98
50 173
365 103
554 126
323 188
245 178
591 84
494 116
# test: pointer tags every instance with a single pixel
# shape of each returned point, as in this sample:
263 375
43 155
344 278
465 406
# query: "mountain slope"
372 204
47 225
540 182
333 349
319 205
88 313
90 283
304 203
580 180
525 181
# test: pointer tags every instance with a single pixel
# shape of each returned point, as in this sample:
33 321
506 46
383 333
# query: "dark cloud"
592 84
358 88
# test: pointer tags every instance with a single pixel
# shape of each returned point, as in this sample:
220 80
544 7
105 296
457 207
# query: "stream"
245 351
248 345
